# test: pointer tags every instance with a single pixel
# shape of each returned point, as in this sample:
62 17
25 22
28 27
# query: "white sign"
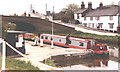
20 38
18 44
1 40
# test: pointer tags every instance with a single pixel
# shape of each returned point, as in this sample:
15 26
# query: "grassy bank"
94 36
13 64
88 35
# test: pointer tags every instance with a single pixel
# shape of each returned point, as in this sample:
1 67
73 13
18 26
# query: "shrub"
49 62
65 19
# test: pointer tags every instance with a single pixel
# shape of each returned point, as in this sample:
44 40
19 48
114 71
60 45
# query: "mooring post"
3 56
41 42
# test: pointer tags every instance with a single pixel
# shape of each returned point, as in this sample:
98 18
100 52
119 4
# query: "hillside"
36 25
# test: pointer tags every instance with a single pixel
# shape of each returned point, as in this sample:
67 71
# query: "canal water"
97 62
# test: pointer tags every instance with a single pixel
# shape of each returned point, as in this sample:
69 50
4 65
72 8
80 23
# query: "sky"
10 7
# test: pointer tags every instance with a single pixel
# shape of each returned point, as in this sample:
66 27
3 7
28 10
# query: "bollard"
52 44
36 40
41 42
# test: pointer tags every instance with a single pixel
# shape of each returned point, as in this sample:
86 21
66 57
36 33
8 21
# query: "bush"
74 22
49 62
65 19
46 19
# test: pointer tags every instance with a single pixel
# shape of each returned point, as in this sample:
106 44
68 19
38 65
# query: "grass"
49 62
88 35
94 36
13 64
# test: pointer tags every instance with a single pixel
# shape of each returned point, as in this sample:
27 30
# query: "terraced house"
103 17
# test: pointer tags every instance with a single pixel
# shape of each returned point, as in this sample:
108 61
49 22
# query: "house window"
89 24
91 18
100 25
111 17
85 24
111 25
78 16
84 18
93 25
97 18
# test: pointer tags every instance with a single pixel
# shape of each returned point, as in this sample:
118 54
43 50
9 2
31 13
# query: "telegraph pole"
46 9
52 29
31 8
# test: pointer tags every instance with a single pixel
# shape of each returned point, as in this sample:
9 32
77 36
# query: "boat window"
59 40
70 42
51 39
41 37
46 37
81 43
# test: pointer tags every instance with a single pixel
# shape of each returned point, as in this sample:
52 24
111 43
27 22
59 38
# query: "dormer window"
111 17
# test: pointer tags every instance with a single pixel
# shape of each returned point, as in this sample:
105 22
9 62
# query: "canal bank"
37 54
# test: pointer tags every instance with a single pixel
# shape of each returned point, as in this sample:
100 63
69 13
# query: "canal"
97 62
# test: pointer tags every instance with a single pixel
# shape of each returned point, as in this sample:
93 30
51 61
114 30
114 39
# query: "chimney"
82 5
89 6
100 5
25 13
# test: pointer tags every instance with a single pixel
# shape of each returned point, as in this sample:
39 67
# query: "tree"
71 8
4 30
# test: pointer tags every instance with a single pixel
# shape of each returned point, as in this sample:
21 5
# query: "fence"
37 64
4 43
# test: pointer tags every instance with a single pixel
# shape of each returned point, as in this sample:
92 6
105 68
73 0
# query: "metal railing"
4 57
4 53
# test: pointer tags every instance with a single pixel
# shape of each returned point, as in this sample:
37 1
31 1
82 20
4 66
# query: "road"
86 29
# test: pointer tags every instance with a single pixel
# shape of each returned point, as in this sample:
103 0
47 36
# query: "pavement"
35 54
79 27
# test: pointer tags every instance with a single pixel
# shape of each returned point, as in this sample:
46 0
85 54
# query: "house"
103 17
82 12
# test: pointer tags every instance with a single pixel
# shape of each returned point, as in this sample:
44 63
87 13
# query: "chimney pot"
89 6
82 5
100 5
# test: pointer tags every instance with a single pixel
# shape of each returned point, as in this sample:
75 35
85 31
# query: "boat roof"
64 37
11 31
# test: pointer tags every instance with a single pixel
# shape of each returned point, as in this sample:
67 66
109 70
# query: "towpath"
37 54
